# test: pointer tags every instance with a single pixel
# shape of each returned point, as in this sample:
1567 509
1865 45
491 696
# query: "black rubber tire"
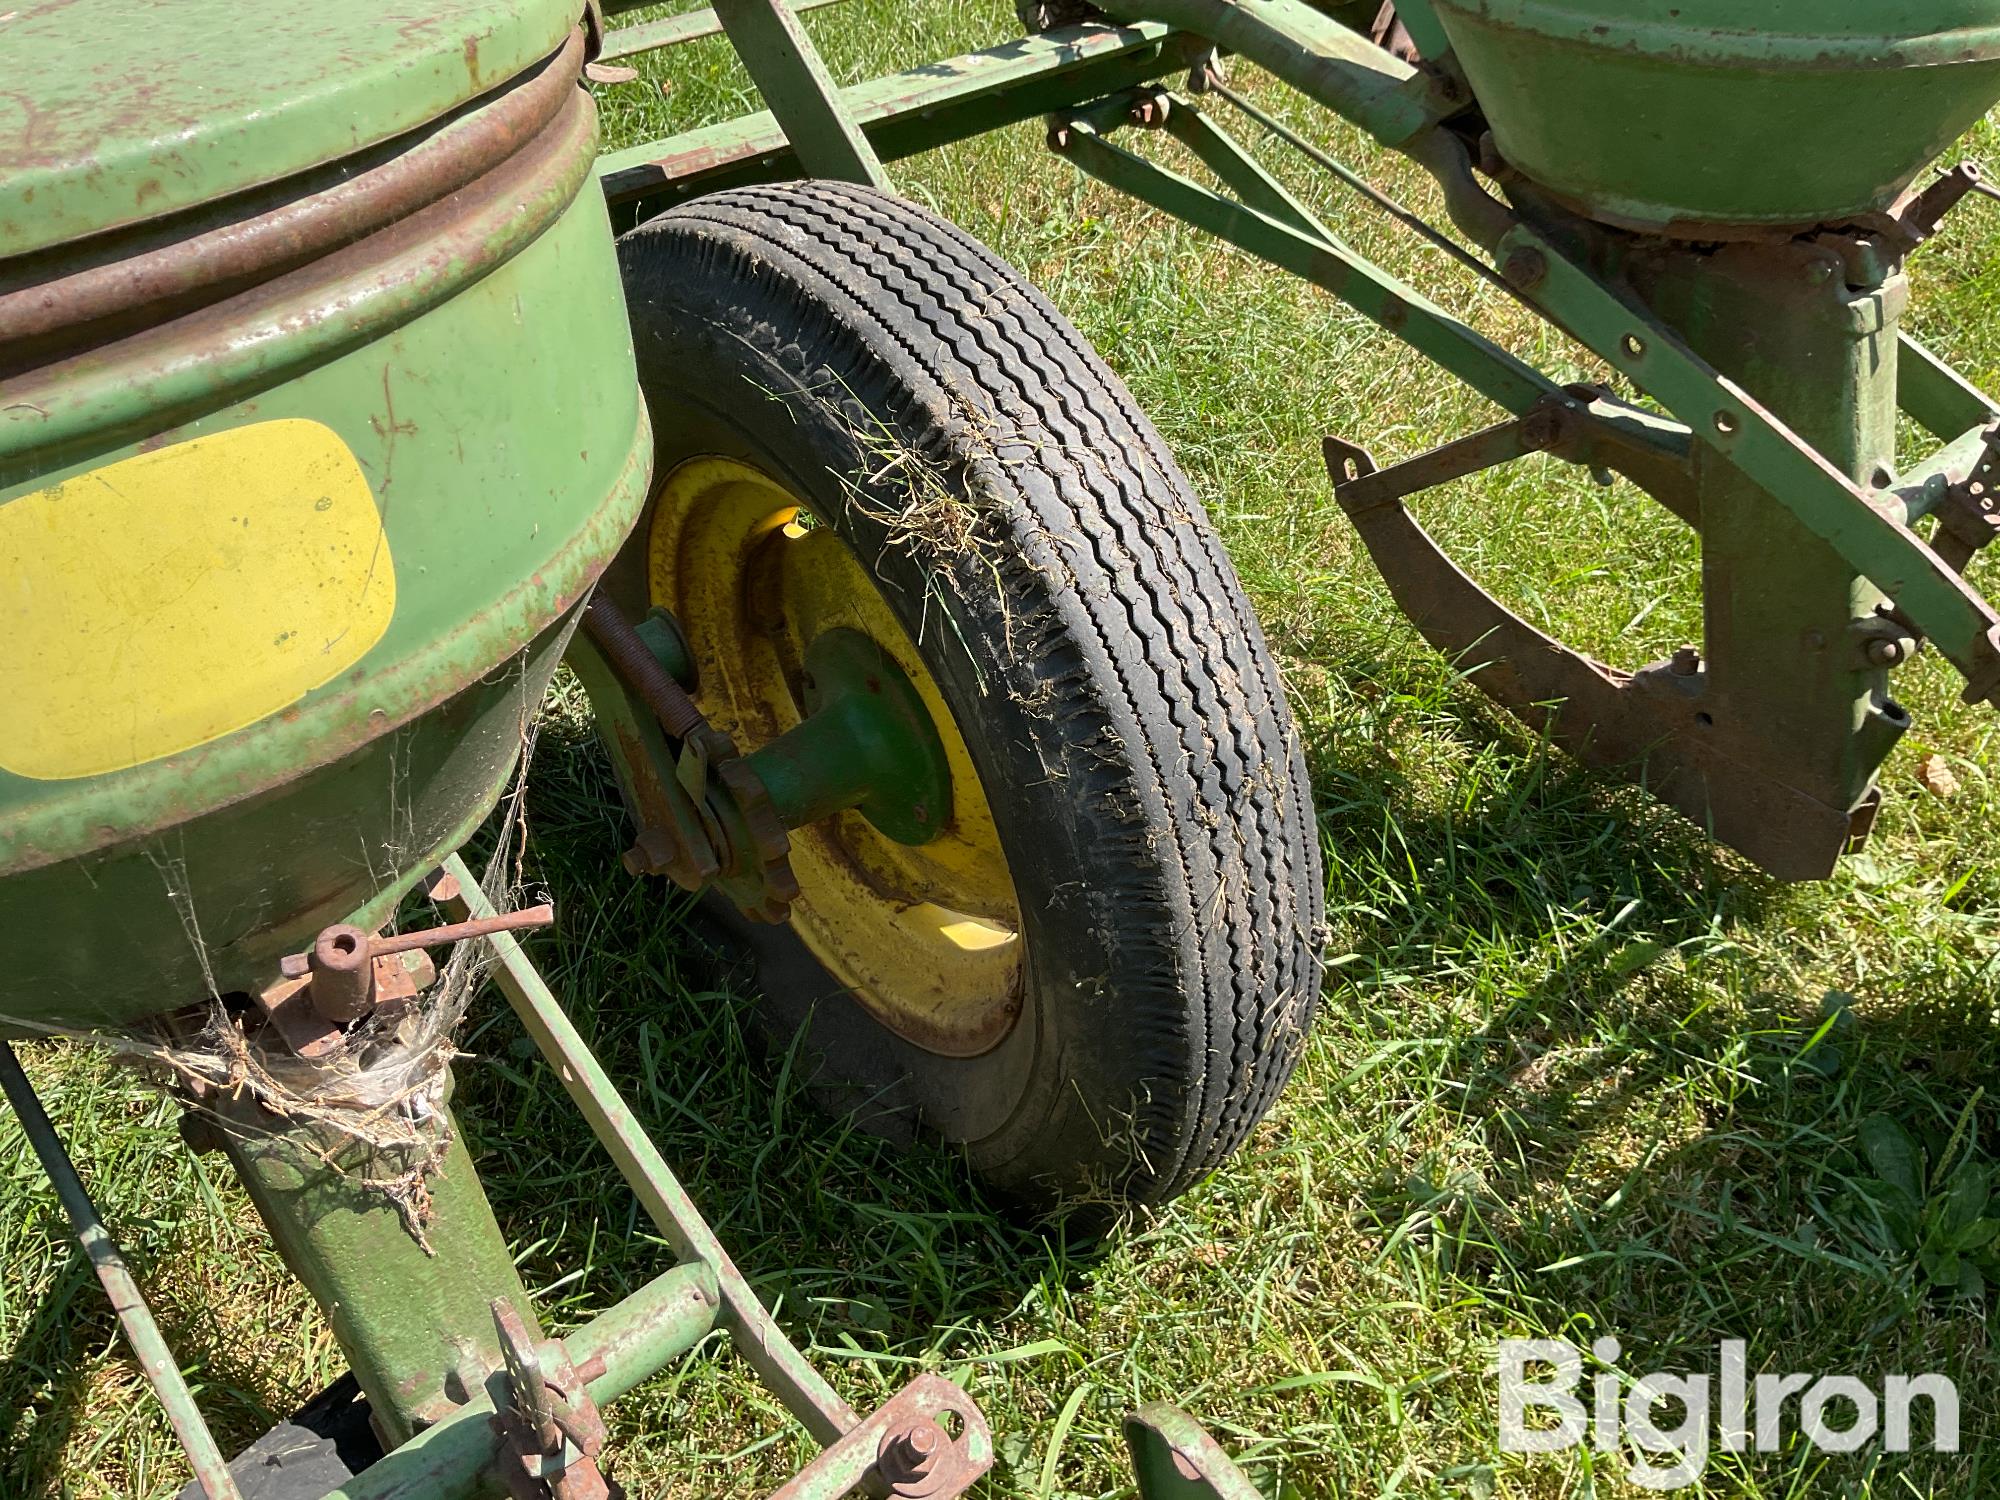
319 1448
1106 671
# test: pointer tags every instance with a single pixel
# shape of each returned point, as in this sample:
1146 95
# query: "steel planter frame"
453 1446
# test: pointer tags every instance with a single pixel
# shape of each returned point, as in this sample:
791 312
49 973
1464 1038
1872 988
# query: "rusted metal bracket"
1502 443
1174 1458
350 973
709 817
1651 726
1581 424
553 1430
1968 507
904 1449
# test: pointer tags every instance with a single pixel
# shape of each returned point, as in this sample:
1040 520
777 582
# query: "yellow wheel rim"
927 937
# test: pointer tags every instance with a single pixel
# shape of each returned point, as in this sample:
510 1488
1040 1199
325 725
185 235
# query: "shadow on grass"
44 1387
1650 1104
53 1390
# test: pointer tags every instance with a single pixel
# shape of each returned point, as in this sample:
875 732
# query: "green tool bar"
756 1334
905 113
1957 620
1369 290
788 72
674 31
1941 401
156 1360
452 1459
664 1319
1241 172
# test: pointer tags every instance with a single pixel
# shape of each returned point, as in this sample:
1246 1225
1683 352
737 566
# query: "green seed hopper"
1706 119
344 390
238 491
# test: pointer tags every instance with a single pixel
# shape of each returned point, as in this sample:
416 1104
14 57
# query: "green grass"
1577 1072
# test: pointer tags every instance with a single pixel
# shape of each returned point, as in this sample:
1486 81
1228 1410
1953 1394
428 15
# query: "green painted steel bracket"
755 1333
1329 63
905 113
772 42
1478 361
1727 419
644 763
1174 1458
1939 399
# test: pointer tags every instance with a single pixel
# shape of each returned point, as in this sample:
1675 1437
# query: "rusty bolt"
343 972
1886 651
1686 662
1058 138
1149 111
910 1459
651 852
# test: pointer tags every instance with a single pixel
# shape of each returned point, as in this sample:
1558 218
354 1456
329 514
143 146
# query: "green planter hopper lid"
119 111
1817 34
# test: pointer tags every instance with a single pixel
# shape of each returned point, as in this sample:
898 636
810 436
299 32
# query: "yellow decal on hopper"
169 598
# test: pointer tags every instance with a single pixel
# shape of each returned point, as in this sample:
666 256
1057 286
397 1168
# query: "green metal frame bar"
1324 60
1173 1458
789 73
905 113
1729 420
1271 223
675 31
156 1360
1939 399
1482 364
755 1333
1240 172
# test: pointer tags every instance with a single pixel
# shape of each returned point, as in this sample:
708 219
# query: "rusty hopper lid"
117 111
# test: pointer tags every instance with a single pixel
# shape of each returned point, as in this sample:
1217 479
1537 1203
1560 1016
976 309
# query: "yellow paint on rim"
173 597
927 937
